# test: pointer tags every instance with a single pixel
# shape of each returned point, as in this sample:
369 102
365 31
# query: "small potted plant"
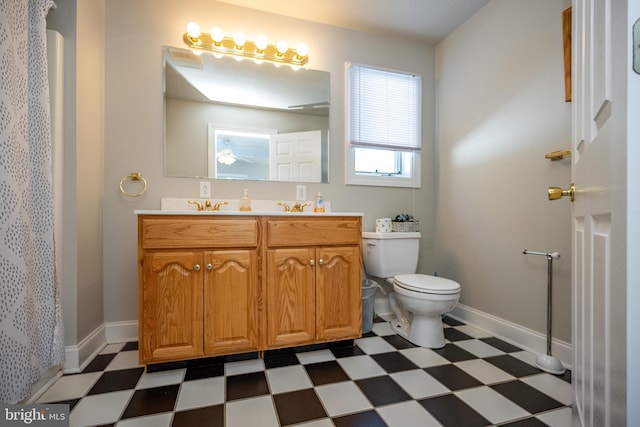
404 222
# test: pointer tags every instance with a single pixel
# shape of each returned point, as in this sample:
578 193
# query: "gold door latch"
556 193
557 155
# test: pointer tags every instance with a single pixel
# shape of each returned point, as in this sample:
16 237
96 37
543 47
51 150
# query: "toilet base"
423 331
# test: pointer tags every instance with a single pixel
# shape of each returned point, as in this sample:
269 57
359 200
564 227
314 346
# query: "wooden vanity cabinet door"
230 301
290 296
172 306
338 298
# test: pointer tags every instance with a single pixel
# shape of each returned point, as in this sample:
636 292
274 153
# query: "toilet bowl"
418 300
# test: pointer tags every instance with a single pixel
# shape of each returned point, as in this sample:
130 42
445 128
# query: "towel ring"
133 176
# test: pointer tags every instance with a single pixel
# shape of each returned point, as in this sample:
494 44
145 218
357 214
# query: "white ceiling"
427 21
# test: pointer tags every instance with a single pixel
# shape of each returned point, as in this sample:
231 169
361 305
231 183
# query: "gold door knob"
312 262
556 193
209 267
321 261
196 267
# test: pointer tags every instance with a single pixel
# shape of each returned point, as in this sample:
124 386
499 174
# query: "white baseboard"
117 332
77 357
527 339
46 380
381 307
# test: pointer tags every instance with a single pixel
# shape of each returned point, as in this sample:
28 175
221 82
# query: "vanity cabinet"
198 287
313 281
222 284
170 320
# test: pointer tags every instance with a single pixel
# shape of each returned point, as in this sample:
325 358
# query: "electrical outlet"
205 189
301 192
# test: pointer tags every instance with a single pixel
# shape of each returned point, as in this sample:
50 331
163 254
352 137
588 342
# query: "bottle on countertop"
319 206
245 201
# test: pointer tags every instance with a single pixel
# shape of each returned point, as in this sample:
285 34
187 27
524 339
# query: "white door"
296 157
603 270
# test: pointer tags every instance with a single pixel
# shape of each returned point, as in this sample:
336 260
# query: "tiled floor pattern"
475 380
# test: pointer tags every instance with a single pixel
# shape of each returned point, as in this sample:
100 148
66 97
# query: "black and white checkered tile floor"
475 380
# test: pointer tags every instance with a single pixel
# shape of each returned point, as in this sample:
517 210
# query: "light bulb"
216 34
239 39
282 46
302 49
193 29
261 42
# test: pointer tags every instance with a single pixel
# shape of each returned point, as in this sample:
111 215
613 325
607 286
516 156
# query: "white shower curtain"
31 335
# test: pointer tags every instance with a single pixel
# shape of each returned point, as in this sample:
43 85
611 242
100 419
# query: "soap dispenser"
319 206
245 202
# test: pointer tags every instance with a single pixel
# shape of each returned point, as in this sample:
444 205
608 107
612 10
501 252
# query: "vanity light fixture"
238 46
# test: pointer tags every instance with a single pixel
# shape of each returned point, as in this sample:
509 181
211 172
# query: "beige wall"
501 108
135 33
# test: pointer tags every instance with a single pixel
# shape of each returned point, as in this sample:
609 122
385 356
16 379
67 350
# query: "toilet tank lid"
391 235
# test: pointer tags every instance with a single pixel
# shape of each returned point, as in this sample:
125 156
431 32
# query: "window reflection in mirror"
275 121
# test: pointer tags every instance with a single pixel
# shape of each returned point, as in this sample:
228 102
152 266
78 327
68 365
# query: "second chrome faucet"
298 207
207 205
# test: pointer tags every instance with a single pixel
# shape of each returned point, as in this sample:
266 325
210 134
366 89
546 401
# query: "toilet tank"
389 254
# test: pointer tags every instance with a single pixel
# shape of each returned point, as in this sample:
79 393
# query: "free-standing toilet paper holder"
547 362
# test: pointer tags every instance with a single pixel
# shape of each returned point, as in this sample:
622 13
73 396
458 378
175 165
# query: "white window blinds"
384 108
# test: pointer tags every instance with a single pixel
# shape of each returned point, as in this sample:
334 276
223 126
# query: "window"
384 108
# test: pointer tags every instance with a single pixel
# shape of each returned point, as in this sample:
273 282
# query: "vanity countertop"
174 206
247 213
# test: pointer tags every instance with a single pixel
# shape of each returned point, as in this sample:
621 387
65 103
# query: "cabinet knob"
209 267
196 267
312 262
321 261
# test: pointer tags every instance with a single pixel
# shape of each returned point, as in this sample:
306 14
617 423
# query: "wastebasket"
369 288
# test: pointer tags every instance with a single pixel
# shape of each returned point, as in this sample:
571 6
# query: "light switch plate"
301 192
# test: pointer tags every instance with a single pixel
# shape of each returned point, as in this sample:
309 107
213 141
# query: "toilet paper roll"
383 225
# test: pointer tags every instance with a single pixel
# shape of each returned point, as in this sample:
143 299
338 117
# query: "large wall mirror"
229 119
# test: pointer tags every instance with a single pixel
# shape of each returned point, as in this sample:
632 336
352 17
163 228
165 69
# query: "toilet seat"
426 284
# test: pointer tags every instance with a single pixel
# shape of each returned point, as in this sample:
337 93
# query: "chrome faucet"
216 207
286 207
299 207
207 206
199 205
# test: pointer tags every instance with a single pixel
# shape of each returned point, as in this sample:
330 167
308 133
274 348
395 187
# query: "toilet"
418 300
